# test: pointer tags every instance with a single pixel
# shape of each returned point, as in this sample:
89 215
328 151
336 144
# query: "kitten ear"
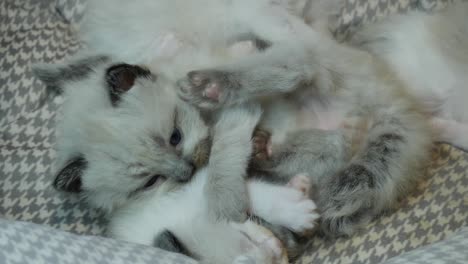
121 77
68 179
168 241
54 76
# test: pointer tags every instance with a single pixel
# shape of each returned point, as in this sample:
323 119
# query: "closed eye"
154 181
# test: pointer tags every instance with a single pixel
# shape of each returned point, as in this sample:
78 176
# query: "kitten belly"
329 115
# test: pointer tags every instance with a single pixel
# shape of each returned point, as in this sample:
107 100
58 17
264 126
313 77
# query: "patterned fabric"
72 11
451 251
434 4
357 12
432 213
33 31
30 243
42 31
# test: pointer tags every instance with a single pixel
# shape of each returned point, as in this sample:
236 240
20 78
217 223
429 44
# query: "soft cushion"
43 31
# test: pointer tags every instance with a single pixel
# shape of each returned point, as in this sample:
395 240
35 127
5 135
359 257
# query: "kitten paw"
294 209
263 246
262 148
206 89
301 182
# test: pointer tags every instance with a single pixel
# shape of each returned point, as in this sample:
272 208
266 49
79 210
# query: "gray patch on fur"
55 76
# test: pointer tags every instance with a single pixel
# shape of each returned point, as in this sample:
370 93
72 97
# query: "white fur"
184 213
283 206
153 33
429 52
118 142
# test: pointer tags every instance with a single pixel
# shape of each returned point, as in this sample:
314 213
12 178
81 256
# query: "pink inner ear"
121 77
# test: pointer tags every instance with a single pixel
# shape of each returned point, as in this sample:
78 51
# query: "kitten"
335 112
425 50
122 131
175 37
122 153
179 220
429 53
361 167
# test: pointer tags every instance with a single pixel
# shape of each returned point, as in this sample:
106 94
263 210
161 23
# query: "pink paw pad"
301 182
212 92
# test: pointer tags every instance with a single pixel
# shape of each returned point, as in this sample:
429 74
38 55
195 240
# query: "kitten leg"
356 182
305 59
317 152
277 70
285 206
268 248
383 167
225 191
285 210
294 60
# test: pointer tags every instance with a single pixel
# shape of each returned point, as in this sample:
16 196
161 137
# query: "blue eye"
176 137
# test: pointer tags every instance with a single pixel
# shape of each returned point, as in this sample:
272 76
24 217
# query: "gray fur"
225 189
124 145
367 166
55 77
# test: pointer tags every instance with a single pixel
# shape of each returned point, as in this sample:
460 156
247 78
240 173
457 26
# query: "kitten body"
180 220
429 53
363 156
117 149
336 112
375 93
173 37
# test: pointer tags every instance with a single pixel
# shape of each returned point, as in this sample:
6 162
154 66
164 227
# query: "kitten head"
123 131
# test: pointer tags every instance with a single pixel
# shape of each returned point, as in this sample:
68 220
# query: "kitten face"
123 131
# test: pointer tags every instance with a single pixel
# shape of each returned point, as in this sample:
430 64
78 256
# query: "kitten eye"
156 179
176 137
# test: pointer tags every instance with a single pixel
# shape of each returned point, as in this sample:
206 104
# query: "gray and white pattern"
32 31
43 31
30 243
453 250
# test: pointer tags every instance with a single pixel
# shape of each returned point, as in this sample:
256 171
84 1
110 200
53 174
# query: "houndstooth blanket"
43 31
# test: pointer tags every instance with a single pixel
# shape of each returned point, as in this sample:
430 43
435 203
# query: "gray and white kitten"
130 146
365 163
379 138
429 52
174 37
124 132
340 114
